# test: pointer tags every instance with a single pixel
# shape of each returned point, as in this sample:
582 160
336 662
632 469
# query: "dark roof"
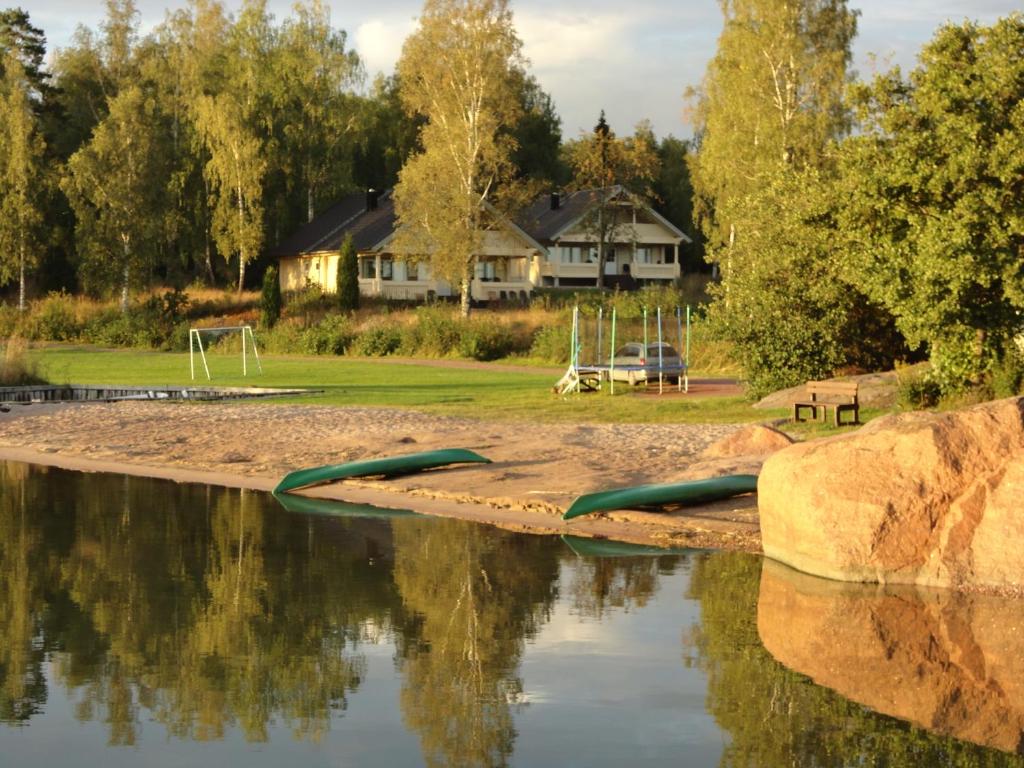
543 223
349 215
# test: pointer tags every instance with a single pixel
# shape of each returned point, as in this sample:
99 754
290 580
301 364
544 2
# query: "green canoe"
393 465
642 496
585 547
304 505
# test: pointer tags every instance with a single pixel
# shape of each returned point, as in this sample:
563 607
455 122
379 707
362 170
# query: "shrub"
348 276
1007 377
916 388
435 332
15 368
377 341
10 319
485 340
331 336
552 343
54 318
270 299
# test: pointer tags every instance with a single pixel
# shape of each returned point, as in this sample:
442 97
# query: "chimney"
556 201
371 199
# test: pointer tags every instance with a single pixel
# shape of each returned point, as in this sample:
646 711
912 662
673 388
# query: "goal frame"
195 339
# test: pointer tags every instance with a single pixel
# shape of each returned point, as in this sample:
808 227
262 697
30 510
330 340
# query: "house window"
412 270
485 271
368 269
387 269
649 254
578 254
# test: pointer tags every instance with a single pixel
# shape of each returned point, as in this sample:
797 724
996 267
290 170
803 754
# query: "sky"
632 58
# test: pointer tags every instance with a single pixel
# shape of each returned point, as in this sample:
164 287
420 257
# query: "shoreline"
537 469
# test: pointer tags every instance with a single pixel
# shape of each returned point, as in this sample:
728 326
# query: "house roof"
349 215
539 224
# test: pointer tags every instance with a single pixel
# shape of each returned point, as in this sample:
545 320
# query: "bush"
348 276
916 388
54 319
1007 377
270 299
435 332
377 341
485 340
331 336
10 320
552 343
15 368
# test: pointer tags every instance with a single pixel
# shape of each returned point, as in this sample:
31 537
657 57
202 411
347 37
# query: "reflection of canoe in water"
647 496
387 467
306 506
586 547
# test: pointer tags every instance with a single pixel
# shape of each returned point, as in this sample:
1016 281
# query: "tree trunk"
309 203
125 278
21 276
241 238
600 247
465 288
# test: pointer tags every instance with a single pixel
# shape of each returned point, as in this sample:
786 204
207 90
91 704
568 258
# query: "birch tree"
233 127
110 183
460 70
21 175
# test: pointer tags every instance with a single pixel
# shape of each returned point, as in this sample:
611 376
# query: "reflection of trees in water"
600 583
473 595
776 717
193 605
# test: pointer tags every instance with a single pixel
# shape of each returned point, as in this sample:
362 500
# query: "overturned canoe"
389 467
304 505
585 547
644 496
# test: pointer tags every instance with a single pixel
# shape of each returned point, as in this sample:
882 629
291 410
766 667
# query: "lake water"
148 623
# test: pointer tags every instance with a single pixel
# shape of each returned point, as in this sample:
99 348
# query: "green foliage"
934 197
916 388
552 342
1007 379
333 335
435 332
54 319
484 339
16 368
348 276
377 341
270 299
783 301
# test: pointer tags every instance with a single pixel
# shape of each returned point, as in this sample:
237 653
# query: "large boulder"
752 440
917 498
951 662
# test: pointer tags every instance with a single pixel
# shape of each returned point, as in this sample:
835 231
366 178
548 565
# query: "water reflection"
949 662
213 611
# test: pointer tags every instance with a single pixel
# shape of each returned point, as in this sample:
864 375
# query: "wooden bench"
839 396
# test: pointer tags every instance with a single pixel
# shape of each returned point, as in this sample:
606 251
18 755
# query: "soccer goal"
195 341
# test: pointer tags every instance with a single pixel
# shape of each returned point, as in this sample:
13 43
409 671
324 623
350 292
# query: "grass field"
484 392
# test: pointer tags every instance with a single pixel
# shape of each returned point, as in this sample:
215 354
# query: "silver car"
632 365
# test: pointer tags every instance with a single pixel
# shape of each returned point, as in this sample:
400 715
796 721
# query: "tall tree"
538 137
459 70
673 196
110 183
772 96
234 126
316 75
934 197
27 43
21 174
607 165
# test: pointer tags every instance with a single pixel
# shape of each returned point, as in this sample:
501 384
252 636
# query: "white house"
552 243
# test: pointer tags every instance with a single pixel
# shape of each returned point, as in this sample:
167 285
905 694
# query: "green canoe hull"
389 467
641 496
304 505
585 547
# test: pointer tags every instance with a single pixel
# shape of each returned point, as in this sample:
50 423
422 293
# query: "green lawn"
480 393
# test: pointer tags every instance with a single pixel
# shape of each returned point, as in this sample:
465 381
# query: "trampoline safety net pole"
611 358
687 347
661 359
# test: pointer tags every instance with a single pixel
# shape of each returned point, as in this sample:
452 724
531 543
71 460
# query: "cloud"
554 40
379 42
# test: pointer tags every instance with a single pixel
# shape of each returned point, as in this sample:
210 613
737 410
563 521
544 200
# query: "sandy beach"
538 468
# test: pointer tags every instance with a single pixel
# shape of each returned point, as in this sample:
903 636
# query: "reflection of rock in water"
949 662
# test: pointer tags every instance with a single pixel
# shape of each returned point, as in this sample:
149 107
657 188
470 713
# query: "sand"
538 468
